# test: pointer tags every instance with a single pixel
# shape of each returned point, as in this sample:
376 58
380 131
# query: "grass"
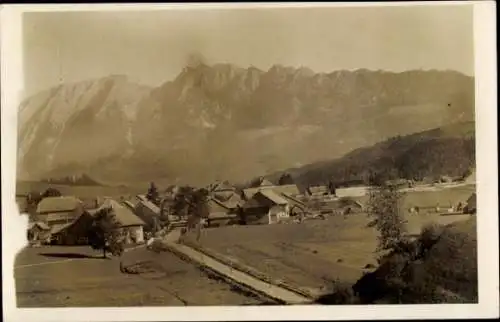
96 282
310 256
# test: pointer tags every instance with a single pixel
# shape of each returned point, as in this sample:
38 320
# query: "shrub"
341 294
384 208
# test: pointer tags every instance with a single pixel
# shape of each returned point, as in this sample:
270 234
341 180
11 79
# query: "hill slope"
226 122
448 151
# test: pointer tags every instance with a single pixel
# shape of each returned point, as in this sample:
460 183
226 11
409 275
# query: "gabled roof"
231 203
261 182
273 196
293 200
264 198
123 215
54 229
40 224
220 186
148 204
289 189
58 204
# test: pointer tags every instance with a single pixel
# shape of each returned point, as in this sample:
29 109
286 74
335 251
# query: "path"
239 277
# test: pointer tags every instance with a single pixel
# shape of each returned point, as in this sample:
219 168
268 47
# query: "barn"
59 211
266 207
131 226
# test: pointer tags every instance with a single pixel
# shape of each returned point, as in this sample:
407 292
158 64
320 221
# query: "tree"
332 187
51 192
153 194
385 209
285 179
193 204
104 233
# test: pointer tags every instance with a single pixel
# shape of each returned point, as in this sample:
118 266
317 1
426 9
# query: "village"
63 219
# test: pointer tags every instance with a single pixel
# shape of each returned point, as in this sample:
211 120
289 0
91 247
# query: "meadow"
58 276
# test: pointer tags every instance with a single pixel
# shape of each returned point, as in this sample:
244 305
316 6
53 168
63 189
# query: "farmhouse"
147 211
130 225
261 182
317 191
266 207
38 232
470 206
73 233
221 190
220 213
58 211
289 189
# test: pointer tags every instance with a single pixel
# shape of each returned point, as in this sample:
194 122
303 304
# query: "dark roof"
40 224
471 202
265 198
289 189
220 186
57 204
148 204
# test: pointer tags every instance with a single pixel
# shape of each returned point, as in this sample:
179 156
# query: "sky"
152 47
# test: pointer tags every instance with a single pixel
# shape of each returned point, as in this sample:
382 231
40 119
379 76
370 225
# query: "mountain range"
225 122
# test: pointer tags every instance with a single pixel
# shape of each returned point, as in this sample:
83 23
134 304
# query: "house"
317 191
38 232
147 211
222 190
265 207
130 225
355 191
221 213
297 206
261 182
470 206
72 233
289 189
59 210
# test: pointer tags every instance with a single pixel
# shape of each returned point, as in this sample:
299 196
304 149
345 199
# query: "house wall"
351 192
76 234
256 216
38 234
278 213
133 234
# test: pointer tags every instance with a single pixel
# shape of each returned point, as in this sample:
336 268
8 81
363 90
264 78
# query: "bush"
341 294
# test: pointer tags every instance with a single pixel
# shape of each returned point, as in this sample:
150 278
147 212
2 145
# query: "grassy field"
310 255
79 277
444 197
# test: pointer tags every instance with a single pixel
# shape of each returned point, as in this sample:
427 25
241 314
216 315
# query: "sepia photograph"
195 156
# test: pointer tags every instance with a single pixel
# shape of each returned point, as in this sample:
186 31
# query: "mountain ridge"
229 122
